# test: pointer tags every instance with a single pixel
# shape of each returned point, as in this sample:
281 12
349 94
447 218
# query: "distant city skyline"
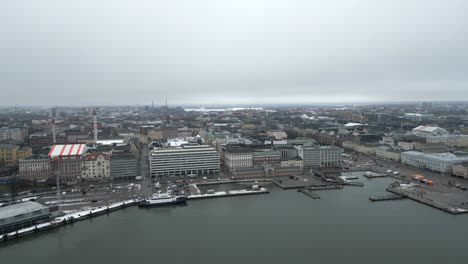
232 52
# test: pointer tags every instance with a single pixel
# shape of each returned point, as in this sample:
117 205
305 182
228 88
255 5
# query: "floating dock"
350 183
227 194
309 193
324 187
387 197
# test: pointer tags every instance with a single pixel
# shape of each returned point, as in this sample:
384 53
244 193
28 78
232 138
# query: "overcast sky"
224 51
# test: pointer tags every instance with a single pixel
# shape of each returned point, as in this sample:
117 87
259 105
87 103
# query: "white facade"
450 140
320 156
199 159
385 152
95 166
238 159
292 163
277 134
364 149
440 162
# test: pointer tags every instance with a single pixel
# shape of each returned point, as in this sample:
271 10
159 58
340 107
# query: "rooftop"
67 150
37 157
446 156
19 208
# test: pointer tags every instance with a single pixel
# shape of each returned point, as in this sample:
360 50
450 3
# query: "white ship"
162 199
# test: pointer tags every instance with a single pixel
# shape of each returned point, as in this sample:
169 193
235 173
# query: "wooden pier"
309 193
387 197
324 187
227 194
350 183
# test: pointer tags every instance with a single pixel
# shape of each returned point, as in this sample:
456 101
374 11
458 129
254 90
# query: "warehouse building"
21 215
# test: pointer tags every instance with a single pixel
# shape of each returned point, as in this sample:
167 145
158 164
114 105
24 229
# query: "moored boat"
162 199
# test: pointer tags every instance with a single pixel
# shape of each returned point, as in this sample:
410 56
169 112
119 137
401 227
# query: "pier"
426 201
387 197
350 183
324 187
309 193
68 218
228 194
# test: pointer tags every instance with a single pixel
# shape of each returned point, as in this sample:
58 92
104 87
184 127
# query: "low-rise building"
277 134
440 162
368 149
429 131
450 140
461 170
236 157
267 171
66 161
11 152
35 167
95 166
39 140
432 148
292 162
21 215
388 153
11 133
262 158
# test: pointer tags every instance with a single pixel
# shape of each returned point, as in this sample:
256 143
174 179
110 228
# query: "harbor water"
343 226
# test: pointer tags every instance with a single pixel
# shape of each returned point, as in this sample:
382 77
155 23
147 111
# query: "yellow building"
11 153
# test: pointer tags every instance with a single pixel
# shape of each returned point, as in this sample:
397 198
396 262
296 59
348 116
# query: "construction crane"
93 111
52 125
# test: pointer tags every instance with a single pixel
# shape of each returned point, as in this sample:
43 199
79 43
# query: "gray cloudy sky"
219 51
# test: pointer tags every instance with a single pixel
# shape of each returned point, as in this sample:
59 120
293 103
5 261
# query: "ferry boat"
162 199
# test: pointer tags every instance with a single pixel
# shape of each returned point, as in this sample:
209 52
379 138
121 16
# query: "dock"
324 187
309 193
68 218
350 183
288 184
233 181
387 197
228 194
434 204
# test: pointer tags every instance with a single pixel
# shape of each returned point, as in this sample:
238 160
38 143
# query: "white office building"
320 156
184 160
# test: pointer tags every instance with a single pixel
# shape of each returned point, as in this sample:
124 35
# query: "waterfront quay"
85 203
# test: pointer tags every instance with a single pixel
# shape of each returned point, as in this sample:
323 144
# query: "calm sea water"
281 227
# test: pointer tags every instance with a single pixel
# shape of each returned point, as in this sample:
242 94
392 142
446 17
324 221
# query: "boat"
162 199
